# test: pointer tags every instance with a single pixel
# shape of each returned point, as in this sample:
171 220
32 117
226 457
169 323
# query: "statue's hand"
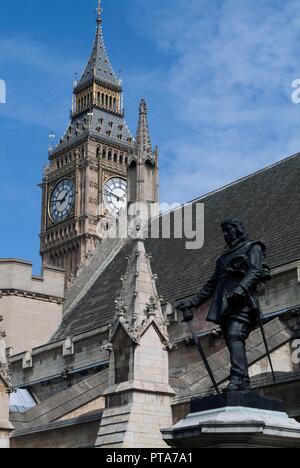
184 305
188 315
238 291
236 297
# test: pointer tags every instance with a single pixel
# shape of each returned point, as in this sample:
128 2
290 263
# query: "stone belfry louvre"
86 178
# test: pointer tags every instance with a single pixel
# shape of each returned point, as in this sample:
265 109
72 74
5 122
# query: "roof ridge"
241 179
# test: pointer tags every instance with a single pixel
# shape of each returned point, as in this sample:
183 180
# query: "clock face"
62 200
115 195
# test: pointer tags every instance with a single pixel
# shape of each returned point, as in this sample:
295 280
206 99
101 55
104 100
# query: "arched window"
115 104
98 97
116 157
109 155
102 99
106 100
110 101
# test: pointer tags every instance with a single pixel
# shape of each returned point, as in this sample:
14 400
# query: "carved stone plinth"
237 420
236 399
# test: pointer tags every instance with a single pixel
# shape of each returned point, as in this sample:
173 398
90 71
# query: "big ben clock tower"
88 168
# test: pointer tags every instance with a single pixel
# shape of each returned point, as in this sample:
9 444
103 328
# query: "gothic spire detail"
99 11
99 67
143 183
143 140
98 103
139 304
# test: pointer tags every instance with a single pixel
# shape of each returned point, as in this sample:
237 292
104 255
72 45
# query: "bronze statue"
233 289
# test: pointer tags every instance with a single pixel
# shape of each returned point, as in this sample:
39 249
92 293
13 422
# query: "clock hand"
63 199
55 201
113 195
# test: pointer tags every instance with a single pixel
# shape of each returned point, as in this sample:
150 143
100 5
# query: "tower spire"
143 140
99 13
99 67
143 166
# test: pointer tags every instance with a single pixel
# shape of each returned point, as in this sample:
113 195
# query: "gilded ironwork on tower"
87 175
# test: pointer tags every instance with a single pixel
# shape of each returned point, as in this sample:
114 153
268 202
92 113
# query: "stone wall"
47 375
31 306
5 426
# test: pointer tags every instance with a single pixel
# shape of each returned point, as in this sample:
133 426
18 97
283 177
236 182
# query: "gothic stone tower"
143 183
138 398
87 175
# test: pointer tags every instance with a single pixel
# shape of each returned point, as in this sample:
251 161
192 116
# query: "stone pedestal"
237 420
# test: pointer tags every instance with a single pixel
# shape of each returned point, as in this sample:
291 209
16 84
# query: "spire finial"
143 106
99 13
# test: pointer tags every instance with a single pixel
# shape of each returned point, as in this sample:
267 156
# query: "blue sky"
216 75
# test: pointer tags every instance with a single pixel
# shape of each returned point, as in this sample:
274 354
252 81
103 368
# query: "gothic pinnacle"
99 12
143 107
143 140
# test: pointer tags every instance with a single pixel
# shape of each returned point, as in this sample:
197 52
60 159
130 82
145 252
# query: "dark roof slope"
98 66
268 202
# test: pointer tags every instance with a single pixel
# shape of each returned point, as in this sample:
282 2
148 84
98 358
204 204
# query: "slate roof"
269 204
63 403
98 67
108 127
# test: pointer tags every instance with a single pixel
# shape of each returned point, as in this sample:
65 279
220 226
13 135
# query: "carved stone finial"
120 308
152 307
99 12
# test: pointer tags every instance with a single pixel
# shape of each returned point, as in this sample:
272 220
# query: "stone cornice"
31 295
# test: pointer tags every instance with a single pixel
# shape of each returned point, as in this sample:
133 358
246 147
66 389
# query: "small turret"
143 183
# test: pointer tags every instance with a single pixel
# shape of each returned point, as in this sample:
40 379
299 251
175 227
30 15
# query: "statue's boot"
232 387
239 385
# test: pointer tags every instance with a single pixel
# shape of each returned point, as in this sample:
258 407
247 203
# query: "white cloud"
229 85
